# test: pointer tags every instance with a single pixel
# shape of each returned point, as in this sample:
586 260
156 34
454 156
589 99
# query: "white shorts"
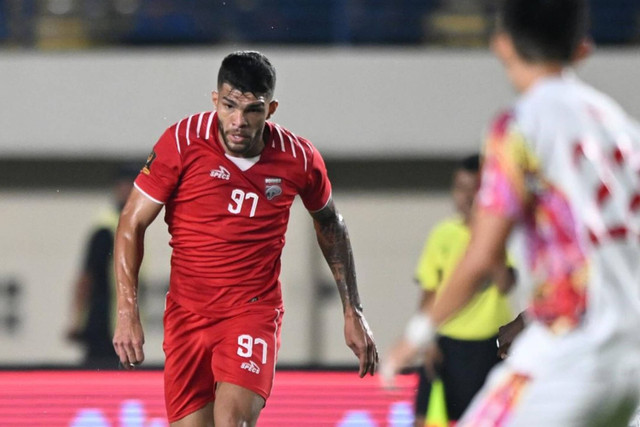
588 391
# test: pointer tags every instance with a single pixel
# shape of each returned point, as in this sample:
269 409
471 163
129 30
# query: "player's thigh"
574 401
236 406
571 398
246 355
188 380
494 404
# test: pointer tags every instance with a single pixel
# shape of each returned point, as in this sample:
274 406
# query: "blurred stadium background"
391 91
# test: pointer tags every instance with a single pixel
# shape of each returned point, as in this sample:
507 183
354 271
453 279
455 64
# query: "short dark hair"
545 30
470 163
249 72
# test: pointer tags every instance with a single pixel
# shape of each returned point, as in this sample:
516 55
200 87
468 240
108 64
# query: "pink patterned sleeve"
502 189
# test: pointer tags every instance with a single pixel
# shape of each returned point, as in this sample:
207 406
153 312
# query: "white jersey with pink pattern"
564 164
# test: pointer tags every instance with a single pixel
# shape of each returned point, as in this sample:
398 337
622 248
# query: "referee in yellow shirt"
466 349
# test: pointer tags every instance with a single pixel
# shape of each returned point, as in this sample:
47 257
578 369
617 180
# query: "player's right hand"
128 340
360 340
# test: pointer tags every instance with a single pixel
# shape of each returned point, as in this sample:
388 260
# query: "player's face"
241 118
465 188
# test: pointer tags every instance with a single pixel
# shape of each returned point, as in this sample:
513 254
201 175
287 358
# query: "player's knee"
236 406
236 415
235 421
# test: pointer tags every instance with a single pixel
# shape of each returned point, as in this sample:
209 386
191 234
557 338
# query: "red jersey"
227 225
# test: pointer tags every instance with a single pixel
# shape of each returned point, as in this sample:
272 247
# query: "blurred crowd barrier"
134 399
51 24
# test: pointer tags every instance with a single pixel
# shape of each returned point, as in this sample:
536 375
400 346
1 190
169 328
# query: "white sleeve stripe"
279 130
199 124
325 204
310 147
189 130
209 125
146 195
273 144
303 153
281 138
293 148
177 140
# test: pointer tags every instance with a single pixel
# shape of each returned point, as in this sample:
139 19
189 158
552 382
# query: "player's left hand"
507 333
359 339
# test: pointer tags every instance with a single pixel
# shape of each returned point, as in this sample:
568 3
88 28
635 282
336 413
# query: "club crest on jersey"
220 173
272 188
147 166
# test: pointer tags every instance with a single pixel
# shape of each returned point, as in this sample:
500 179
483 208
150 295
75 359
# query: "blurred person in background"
465 350
227 179
93 303
562 172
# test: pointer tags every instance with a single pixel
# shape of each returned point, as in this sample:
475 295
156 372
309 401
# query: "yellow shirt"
487 311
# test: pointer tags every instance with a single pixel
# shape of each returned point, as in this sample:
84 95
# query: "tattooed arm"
334 242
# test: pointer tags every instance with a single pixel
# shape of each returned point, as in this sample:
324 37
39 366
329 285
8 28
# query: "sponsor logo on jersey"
220 173
272 187
147 166
250 366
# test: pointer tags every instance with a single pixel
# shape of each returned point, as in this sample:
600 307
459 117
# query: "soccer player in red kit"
227 180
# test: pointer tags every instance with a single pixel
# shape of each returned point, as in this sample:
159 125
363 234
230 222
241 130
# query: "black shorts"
463 371
422 394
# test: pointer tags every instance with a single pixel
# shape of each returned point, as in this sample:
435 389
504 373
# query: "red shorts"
201 351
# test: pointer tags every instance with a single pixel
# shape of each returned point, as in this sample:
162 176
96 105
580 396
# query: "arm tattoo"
333 239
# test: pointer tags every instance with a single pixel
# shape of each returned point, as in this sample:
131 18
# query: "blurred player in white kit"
562 175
